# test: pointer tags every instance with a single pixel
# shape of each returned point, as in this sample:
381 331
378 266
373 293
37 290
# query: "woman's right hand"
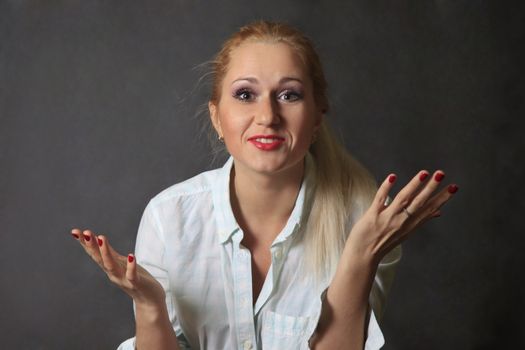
123 271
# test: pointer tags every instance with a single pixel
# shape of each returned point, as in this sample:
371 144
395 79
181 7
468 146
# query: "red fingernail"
130 258
423 176
439 177
391 178
87 238
75 235
99 242
453 189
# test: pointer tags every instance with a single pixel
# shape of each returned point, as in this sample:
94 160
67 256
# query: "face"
266 113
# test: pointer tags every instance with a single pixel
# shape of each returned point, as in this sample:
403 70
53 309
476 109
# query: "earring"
221 139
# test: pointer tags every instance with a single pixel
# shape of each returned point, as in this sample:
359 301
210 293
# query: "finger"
80 237
435 203
381 196
91 246
87 236
421 198
404 197
433 207
109 258
131 269
76 233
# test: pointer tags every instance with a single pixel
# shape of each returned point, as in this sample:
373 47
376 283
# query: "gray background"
99 112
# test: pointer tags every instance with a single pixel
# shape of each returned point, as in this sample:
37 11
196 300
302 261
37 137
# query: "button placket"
247 345
277 254
243 293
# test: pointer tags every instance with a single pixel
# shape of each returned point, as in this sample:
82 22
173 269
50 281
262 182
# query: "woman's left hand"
383 227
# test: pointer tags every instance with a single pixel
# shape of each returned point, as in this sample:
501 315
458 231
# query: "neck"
264 200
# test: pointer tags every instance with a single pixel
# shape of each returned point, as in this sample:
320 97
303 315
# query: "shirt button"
247 345
277 254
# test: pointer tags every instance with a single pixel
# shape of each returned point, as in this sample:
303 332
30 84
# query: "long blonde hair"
344 188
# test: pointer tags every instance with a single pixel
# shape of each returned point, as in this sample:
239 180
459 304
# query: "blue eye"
290 96
243 95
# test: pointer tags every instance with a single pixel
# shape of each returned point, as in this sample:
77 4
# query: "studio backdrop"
102 108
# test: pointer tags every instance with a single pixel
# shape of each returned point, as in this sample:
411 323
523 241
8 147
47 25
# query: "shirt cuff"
374 338
130 343
127 345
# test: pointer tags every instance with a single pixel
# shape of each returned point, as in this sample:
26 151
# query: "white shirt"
189 240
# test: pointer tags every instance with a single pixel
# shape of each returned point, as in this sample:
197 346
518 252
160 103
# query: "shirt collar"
226 223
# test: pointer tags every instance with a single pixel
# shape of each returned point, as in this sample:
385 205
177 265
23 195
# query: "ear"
214 116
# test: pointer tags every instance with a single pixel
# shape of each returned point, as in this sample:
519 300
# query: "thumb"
131 269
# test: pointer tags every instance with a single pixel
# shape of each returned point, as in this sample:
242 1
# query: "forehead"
265 60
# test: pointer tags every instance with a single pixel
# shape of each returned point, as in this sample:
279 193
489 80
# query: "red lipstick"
266 142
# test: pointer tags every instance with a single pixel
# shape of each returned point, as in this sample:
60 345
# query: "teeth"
265 140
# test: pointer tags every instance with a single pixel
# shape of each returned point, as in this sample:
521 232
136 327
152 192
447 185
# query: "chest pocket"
280 331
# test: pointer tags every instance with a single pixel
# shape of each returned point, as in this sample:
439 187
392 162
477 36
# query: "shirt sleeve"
150 252
383 280
382 283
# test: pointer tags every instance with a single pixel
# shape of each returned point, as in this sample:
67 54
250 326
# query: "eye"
290 96
244 94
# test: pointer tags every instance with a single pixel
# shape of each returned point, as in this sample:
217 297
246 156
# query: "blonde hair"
343 186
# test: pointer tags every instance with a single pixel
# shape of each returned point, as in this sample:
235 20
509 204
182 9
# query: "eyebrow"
255 81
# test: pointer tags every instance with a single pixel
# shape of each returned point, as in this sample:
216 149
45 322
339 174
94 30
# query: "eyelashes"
287 95
291 95
244 94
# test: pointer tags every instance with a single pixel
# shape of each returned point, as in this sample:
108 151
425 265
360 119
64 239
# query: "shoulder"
182 212
199 186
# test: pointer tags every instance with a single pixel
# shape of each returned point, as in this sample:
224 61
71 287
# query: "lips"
266 142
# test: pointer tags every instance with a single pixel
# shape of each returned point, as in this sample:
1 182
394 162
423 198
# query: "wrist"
150 312
150 299
360 266
360 257
355 270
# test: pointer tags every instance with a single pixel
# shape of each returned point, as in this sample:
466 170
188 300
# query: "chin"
272 165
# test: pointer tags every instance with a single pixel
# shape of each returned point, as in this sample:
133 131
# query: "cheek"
233 123
303 125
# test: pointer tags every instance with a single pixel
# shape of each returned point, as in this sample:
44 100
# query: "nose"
267 112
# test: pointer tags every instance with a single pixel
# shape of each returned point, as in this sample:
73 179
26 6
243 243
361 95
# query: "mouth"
266 142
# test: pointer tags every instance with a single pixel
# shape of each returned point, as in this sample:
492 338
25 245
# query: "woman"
290 245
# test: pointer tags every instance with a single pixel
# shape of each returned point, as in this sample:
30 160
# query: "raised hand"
121 270
383 227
